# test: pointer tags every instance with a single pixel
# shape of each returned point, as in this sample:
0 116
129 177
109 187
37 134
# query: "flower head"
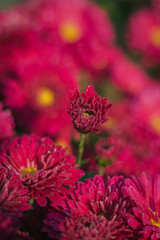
36 92
42 167
72 29
14 196
95 206
87 110
145 219
146 108
143 34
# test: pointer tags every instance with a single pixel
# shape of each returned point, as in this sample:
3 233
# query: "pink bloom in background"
128 76
116 155
14 196
108 148
44 168
36 91
124 163
6 123
145 219
140 141
83 31
16 31
87 110
97 206
143 34
146 108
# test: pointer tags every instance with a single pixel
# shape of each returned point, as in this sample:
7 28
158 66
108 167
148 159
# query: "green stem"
81 148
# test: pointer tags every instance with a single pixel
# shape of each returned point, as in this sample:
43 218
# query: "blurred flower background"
70 69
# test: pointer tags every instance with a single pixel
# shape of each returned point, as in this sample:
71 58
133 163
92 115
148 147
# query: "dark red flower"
96 207
13 195
145 219
87 110
43 167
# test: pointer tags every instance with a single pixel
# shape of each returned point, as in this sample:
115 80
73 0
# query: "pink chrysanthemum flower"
116 155
13 196
82 31
143 34
36 92
42 167
146 108
6 123
108 148
87 110
145 219
96 207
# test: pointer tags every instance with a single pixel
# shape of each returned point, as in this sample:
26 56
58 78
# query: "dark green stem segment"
81 149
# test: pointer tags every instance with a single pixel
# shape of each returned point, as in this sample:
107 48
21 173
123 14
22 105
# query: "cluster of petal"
87 110
6 124
145 219
14 196
89 227
96 202
42 167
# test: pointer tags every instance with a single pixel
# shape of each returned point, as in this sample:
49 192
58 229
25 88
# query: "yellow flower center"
29 170
45 97
70 32
155 36
155 223
155 124
87 115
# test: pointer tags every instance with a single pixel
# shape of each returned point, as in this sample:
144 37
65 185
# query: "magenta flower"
143 34
83 32
96 207
87 110
146 108
14 196
145 219
6 124
42 167
36 93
